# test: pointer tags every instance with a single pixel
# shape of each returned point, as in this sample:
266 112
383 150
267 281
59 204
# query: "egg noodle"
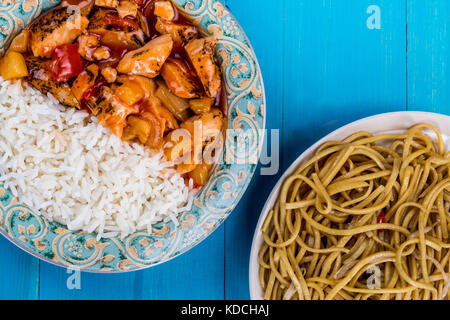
364 218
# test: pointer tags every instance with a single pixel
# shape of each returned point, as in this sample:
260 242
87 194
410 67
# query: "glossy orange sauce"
146 7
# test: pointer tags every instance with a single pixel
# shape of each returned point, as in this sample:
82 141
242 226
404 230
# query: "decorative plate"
54 243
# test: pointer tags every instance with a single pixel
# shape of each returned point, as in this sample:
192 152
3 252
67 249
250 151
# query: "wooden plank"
266 36
337 70
428 55
19 273
198 274
323 67
54 279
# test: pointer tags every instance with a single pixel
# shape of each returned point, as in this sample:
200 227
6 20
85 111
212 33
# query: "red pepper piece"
66 62
381 219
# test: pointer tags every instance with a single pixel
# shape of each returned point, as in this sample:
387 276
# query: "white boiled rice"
67 167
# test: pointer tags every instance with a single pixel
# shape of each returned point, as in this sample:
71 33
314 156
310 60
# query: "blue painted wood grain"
267 41
337 70
322 68
197 274
19 273
429 55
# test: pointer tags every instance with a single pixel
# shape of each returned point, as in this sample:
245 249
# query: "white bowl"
383 123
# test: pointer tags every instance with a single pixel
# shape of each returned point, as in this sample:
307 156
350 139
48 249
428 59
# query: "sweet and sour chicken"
139 66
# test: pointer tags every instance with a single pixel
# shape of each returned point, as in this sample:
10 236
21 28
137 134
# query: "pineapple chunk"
140 127
127 8
13 66
202 105
130 92
21 42
164 9
201 173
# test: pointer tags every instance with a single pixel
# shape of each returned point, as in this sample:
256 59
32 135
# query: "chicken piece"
88 40
180 33
110 74
113 113
74 6
127 8
84 81
148 60
201 54
40 79
164 9
179 79
114 31
101 53
211 125
107 3
55 28
87 43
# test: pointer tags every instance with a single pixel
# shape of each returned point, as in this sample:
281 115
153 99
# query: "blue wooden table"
325 63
